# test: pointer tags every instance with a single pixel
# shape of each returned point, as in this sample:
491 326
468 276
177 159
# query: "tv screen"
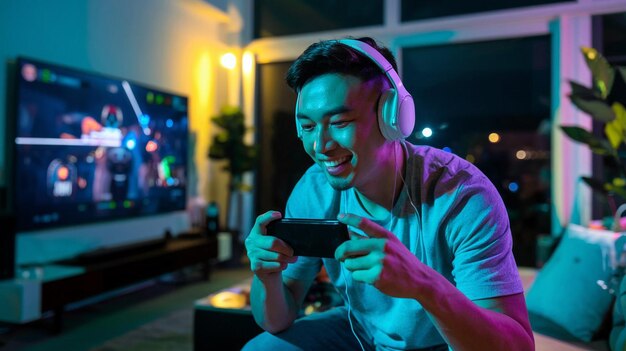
94 148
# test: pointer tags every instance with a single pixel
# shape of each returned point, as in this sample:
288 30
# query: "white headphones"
396 110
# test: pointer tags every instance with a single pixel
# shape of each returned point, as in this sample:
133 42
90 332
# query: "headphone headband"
377 58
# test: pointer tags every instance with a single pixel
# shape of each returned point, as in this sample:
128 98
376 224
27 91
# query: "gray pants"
328 330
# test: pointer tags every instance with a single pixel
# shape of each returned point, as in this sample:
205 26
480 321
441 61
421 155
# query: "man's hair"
330 56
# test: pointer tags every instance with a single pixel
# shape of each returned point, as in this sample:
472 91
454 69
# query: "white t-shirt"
448 214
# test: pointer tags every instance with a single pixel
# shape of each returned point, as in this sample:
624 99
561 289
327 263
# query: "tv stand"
88 275
114 253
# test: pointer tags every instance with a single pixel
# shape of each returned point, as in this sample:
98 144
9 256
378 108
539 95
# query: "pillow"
574 290
617 338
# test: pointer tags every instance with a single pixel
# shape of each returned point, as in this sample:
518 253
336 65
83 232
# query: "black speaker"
7 246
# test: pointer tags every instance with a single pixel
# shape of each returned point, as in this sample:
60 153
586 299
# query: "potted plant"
228 144
604 102
589 261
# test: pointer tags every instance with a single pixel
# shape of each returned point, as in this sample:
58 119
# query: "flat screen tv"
91 148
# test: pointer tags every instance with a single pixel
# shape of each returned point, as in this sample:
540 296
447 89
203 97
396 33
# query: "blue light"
144 120
130 144
169 123
513 187
427 132
447 149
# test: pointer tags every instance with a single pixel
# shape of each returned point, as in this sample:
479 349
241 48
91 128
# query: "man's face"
340 129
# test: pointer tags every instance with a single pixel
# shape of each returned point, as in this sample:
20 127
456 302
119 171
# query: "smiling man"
430 264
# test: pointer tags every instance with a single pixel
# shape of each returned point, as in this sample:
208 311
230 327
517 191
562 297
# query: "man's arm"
499 323
383 261
275 303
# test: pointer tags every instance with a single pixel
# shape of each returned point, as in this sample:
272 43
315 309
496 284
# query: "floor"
92 323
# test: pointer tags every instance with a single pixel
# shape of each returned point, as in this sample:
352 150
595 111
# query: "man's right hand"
268 255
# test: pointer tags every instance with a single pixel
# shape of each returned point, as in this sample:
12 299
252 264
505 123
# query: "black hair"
330 56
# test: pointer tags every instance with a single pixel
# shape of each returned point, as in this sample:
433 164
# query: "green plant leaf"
619 190
228 143
596 185
594 106
615 133
216 151
616 129
603 73
620 114
622 71
580 90
598 146
587 100
605 189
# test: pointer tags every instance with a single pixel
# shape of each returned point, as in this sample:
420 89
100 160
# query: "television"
90 149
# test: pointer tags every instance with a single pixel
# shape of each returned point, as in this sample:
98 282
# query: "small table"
223 320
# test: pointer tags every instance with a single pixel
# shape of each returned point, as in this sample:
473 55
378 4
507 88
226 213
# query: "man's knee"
267 342
329 330
253 344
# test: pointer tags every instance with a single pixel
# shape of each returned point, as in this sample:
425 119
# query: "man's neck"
378 200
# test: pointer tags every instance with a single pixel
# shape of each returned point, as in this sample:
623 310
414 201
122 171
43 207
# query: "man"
430 264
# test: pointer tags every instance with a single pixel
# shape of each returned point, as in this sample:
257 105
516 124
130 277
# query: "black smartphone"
310 237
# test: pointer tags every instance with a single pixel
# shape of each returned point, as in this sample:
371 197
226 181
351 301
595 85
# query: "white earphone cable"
406 186
349 312
345 280
393 198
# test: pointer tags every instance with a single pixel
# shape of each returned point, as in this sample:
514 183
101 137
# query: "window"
489 102
282 17
611 37
413 10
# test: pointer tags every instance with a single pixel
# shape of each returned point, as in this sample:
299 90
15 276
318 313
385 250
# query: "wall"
174 45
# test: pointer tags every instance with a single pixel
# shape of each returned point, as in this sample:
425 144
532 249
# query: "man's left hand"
379 259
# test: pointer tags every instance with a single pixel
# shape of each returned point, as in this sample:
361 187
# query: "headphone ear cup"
387 115
406 116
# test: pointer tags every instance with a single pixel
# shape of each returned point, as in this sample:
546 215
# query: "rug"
170 333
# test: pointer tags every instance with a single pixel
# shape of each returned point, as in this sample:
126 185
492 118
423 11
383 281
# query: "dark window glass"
282 159
613 37
422 9
281 17
466 92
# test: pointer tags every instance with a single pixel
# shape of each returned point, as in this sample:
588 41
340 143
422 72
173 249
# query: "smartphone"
310 237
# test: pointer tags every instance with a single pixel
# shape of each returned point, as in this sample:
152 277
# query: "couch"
547 343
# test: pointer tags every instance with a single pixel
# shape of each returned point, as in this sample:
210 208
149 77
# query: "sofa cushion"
572 293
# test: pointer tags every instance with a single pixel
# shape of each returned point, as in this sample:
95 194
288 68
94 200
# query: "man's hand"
379 259
268 255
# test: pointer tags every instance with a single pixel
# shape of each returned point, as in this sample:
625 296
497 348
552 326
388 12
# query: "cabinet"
52 287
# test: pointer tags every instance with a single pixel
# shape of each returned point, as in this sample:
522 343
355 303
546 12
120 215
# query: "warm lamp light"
494 137
228 60
228 299
247 62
